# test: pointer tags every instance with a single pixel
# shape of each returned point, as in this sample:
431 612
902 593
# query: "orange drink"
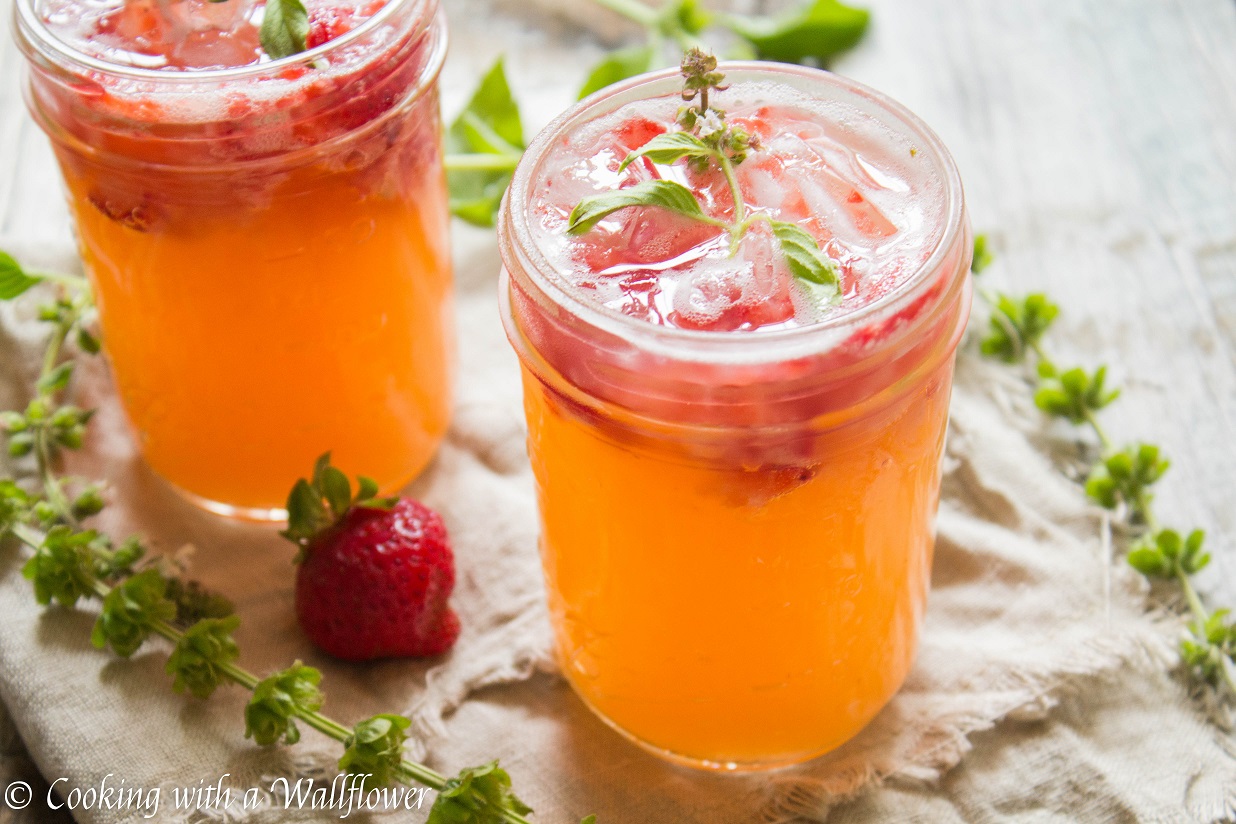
267 240
738 473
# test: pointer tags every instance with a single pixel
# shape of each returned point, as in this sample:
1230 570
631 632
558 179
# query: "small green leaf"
88 502
668 148
285 24
375 749
663 193
195 602
201 654
1124 476
1075 394
1016 326
21 444
336 489
683 17
86 341
14 280
476 796
367 488
121 560
815 31
804 257
982 255
489 124
130 610
277 700
618 65
306 514
14 504
62 568
56 379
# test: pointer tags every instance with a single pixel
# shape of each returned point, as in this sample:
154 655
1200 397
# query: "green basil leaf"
816 31
664 193
285 24
669 147
804 257
489 124
13 279
618 65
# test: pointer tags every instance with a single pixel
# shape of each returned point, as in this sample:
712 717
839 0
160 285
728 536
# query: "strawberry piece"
325 24
375 573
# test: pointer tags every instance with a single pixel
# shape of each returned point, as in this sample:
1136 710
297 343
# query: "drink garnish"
708 141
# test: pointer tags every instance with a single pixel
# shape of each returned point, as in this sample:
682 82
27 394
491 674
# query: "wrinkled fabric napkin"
1026 605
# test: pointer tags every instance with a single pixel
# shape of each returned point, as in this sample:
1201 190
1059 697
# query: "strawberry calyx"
318 503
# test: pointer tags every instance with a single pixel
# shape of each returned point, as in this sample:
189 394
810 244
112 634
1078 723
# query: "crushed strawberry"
327 23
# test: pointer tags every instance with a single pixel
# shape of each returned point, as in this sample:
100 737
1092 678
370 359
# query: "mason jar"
736 524
267 243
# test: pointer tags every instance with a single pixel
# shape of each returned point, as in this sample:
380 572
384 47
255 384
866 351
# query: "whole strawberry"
374 573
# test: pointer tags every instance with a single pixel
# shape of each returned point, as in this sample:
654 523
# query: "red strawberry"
327 23
374 574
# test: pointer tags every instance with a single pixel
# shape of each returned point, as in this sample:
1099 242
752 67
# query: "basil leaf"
488 125
285 24
13 279
664 193
804 257
684 17
816 31
669 147
617 65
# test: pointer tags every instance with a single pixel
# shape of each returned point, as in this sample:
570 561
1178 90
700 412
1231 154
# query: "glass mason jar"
737 527
268 250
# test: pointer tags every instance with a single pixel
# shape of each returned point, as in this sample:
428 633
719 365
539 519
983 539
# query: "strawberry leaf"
368 488
14 280
488 126
668 148
617 66
663 193
285 24
813 32
307 516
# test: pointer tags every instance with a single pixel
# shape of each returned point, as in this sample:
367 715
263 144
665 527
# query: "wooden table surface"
1097 142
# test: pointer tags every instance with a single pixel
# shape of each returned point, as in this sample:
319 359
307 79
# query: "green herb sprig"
708 140
69 563
811 32
486 140
1121 478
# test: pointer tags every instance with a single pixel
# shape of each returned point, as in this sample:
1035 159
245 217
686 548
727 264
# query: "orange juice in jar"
738 472
266 240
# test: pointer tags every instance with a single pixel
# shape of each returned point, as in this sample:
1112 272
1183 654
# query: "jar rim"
61 53
518 244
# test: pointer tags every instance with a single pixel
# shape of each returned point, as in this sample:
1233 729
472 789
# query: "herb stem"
481 162
731 179
73 282
633 10
1200 616
1104 440
52 487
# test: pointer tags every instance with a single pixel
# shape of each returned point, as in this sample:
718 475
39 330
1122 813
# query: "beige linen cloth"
1026 607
